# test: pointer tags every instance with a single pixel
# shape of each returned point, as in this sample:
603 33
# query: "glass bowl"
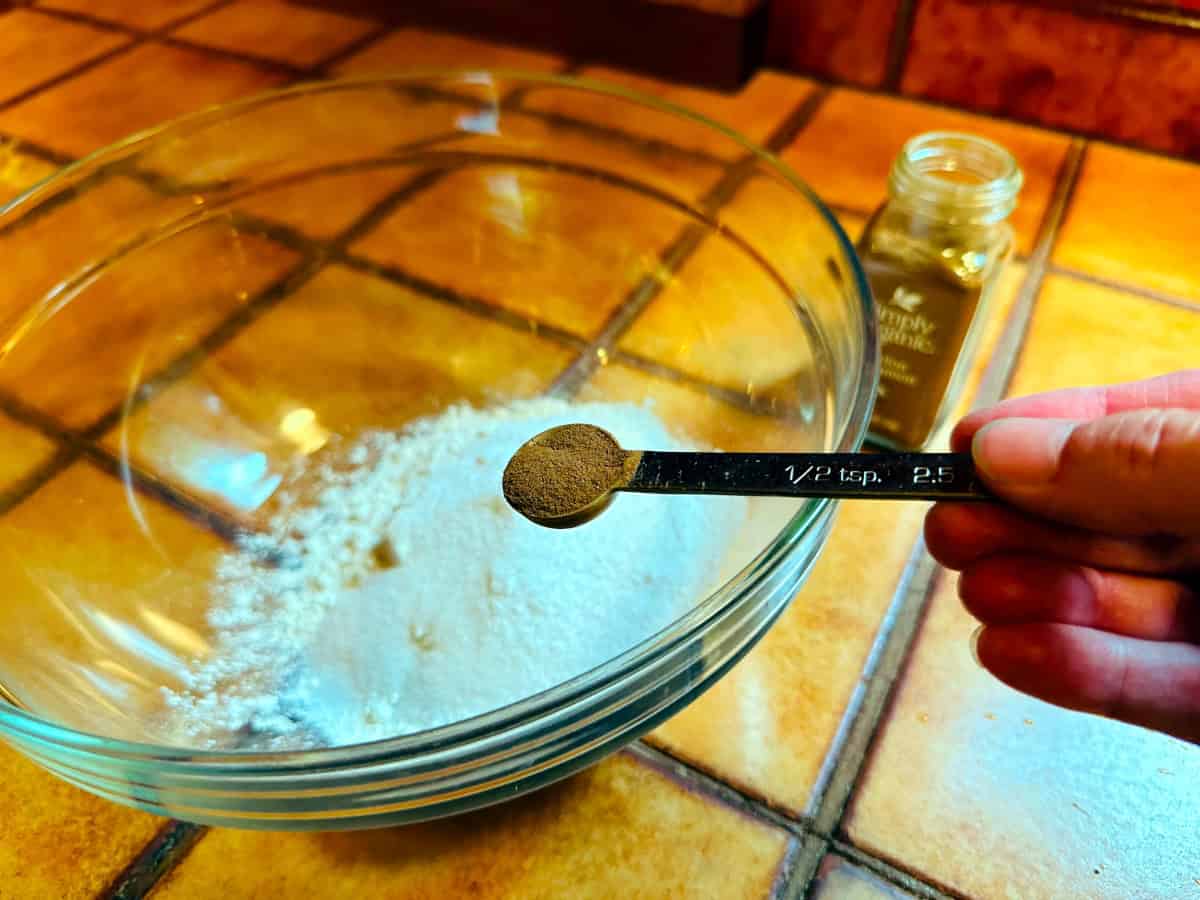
189 316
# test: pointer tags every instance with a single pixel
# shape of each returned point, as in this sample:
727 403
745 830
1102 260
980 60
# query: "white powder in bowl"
409 595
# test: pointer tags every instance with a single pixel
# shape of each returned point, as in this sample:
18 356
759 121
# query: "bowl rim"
717 606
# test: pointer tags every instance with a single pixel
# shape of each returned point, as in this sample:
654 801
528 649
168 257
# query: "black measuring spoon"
576 469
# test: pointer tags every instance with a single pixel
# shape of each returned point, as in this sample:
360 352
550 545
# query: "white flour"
472 607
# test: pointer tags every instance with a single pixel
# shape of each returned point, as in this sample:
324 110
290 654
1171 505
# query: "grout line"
796 121
795 848
1145 293
188 18
77 69
133 31
158 858
137 38
282 67
830 777
18 493
154 487
700 782
813 846
222 333
997 375
898 44
883 669
649 286
74 446
884 870
37 151
368 39
725 395
451 297
792 882
679 251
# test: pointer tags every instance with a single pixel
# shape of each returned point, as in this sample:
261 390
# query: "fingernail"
975 645
1020 451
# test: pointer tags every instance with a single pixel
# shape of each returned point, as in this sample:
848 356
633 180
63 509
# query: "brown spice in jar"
565 470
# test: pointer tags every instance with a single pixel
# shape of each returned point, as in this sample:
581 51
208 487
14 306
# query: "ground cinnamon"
565 470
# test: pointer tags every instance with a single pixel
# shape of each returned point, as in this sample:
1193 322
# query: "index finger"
1178 390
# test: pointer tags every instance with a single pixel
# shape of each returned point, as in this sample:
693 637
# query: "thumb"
1132 473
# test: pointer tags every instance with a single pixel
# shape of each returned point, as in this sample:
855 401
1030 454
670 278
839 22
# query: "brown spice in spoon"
564 471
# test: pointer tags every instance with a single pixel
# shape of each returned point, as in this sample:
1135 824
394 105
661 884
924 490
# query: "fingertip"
964 431
1061 664
1020 452
957 533
1020 656
1017 587
942 536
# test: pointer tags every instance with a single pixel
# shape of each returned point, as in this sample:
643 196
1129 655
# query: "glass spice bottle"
933 253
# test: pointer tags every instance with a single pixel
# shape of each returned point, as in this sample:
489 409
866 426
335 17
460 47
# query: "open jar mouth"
957 175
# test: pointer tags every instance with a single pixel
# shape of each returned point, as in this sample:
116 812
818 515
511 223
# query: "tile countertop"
857 751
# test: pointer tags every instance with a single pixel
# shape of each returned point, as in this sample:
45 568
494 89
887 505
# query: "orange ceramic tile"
105 598
373 355
34 48
135 15
60 843
292 34
839 879
411 48
621 829
80 358
1130 221
559 247
21 451
322 206
52 243
724 319
842 41
989 793
768 725
1060 67
135 90
1085 334
845 153
753 111
302 138
19 171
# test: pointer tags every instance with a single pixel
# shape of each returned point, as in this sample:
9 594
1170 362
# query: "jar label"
923 322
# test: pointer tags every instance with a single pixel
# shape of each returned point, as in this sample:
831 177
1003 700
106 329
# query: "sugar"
467 608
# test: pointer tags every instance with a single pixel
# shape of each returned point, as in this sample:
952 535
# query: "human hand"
1087 580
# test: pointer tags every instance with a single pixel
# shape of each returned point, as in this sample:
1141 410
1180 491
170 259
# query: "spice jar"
933 254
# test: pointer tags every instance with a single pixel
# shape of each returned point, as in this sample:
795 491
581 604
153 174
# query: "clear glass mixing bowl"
192 313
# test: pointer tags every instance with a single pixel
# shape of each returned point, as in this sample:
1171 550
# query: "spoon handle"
877 476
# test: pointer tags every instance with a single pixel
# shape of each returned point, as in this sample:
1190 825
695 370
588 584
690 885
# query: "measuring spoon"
567 476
